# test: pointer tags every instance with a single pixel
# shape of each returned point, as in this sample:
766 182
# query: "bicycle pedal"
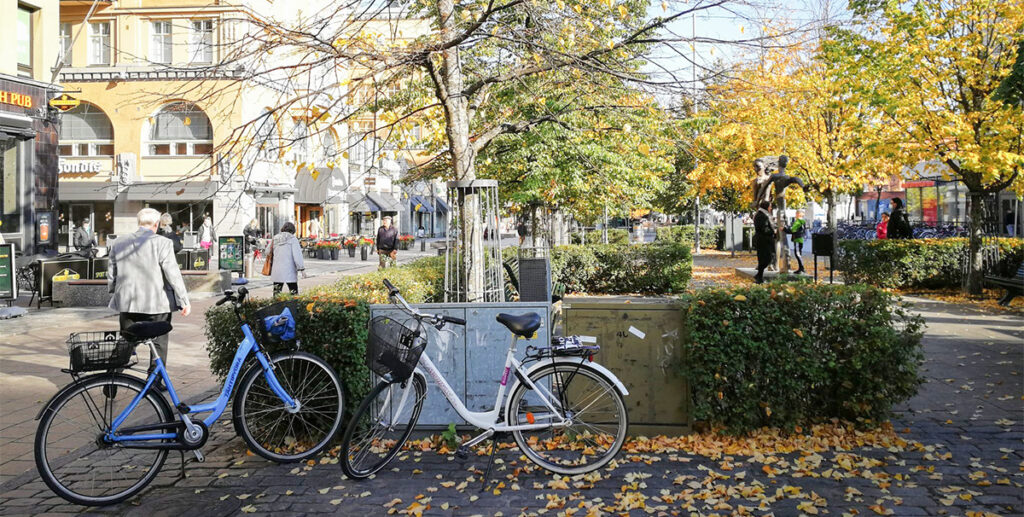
462 452
199 456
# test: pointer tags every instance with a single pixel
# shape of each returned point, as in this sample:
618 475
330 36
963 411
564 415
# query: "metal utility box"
641 343
534 280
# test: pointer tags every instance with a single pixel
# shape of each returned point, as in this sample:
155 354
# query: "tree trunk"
975 271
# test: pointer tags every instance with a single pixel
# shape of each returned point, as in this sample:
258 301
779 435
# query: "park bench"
1014 285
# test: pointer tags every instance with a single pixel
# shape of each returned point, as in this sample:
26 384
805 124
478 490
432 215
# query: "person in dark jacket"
84 240
167 230
253 234
899 224
764 239
387 243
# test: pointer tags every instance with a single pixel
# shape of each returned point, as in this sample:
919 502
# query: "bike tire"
571 443
364 447
272 430
70 474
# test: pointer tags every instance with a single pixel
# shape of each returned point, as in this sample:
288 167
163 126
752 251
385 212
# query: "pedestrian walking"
206 233
287 260
387 243
521 230
84 240
882 228
899 224
252 234
420 232
764 239
144 279
167 230
797 232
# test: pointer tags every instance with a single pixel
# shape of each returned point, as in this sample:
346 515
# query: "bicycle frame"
215 408
489 419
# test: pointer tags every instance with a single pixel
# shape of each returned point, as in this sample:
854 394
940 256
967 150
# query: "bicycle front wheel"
283 434
381 425
587 400
75 460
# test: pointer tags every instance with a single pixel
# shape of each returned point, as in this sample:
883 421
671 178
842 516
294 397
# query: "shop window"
86 131
201 42
99 43
160 44
180 129
25 42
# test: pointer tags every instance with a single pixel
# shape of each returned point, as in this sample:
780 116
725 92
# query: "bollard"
423 245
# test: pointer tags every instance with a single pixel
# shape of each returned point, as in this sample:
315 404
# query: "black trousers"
128 318
293 287
764 258
798 252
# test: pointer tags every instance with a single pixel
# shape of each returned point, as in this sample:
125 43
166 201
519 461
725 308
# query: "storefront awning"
386 202
16 126
86 190
180 191
441 205
360 203
420 205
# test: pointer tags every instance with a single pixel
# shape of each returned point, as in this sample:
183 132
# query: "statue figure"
771 170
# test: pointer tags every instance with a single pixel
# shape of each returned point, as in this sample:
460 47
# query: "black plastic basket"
393 348
105 350
275 309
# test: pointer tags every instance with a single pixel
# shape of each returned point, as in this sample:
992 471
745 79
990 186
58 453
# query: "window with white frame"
328 147
300 141
86 131
25 45
99 43
161 44
266 136
180 129
201 42
65 44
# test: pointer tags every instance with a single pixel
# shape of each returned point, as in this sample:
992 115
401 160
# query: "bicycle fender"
67 388
600 369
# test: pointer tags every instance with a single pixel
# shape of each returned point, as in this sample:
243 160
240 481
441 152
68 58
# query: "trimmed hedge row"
615 236
710 236
659 268
927 263
793 355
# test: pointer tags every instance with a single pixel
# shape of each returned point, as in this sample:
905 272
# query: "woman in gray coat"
287 261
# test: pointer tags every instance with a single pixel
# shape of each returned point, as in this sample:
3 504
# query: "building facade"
28 126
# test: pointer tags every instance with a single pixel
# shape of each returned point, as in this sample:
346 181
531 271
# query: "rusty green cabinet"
641 343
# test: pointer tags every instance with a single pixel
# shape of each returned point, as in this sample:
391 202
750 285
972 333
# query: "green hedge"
928 263
615 236
659 268
711 237
792 355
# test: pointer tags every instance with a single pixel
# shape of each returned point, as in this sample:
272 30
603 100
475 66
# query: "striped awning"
419 204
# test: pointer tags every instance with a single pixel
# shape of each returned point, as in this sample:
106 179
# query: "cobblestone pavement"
956 449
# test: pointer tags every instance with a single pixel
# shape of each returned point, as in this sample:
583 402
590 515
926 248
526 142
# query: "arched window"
180 129
328 146
300 141
86 131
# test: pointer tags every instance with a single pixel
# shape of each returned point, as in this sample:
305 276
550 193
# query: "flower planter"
351 252
363 252
334 253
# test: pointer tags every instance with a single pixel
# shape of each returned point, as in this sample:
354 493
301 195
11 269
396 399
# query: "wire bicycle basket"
104 350
393 348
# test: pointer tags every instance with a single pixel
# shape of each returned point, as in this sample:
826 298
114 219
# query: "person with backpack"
899 224
797 231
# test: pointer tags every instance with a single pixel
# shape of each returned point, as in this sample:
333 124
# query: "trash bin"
821 244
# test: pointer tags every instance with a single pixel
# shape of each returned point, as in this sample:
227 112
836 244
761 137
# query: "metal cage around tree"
473 270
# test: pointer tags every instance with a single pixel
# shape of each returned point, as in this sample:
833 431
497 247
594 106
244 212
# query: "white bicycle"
565 411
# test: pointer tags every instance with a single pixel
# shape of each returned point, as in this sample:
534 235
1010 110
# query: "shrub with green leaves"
711 237
927 263
783 356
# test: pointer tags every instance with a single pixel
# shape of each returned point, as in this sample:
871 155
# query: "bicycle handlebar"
231 296
438 320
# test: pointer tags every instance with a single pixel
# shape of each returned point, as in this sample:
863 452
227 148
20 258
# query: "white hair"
166 220
148 217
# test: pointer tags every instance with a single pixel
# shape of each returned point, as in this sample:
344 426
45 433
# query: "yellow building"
149 130
28 127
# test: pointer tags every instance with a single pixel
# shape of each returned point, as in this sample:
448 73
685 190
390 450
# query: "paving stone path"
957 448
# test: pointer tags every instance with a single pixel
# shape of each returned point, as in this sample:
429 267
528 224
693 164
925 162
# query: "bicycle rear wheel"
381 425
71 454
584 396
277 432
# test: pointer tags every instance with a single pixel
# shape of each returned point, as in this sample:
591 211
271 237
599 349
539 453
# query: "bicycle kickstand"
490 461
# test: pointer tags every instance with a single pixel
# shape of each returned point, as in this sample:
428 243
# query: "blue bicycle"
104 437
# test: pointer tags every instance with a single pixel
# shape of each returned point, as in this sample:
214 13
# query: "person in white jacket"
287 260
